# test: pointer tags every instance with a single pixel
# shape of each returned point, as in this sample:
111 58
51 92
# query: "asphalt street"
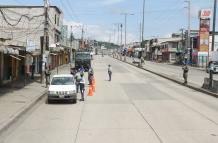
135 107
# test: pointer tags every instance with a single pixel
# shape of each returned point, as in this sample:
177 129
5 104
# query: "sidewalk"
14 102
175 73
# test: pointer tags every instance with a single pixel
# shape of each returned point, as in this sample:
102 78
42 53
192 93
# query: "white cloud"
111 2
96 32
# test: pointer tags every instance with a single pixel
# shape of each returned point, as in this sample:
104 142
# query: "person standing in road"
77 78
82 70
47 75
90 75
185 72
82 86
109 72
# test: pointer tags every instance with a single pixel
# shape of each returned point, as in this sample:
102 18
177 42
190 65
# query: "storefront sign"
205 14
204 35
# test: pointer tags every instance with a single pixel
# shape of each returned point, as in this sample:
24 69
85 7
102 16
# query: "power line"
6 17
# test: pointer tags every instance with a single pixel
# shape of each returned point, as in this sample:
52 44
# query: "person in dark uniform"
109 72
185 71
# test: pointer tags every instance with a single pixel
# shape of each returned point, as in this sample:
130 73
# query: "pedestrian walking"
185 72
82 86
81 69
90 75
77 78
109 72
47 75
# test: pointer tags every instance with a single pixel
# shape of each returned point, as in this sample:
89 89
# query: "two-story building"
24 26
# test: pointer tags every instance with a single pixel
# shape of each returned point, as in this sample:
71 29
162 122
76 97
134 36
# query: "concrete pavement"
135 107
174 73
15 102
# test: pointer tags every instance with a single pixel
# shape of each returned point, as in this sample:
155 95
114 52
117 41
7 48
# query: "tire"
75 101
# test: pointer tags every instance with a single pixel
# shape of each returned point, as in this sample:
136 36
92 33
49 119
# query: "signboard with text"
205 14
204 34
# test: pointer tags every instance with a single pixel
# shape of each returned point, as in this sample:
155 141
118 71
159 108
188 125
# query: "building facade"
24 27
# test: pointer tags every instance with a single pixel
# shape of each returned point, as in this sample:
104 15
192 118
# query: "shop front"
13 64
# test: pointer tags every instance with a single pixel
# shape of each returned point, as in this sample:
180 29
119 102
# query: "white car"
62 87
212 66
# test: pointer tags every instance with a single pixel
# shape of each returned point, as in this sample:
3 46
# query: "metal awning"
53 54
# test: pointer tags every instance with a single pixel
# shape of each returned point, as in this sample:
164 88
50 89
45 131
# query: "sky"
100 17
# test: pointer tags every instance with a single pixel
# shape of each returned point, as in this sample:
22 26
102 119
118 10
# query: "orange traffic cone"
90 91
93 88
93 81
93 85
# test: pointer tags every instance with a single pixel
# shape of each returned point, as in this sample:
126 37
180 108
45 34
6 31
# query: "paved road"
136 107
195 76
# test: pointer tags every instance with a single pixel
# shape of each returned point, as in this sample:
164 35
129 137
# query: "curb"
26 107
174 80
22 111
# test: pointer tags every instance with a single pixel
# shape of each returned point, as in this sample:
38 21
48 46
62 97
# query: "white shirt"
83 80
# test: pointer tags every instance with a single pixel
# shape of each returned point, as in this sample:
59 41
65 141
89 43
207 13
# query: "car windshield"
62 81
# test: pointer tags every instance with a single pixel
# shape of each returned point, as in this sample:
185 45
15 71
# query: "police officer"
77 78
109 72
185 71
82 86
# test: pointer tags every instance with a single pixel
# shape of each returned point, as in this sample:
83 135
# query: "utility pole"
189 28
125 15
118 34
140 32
114 36
143 22
214 25
71 46
82 39
45 38
213 41
121 34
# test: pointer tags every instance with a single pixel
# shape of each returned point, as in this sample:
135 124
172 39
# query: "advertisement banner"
204 35
205 14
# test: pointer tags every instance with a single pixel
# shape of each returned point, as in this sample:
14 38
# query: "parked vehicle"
62 87
83 59
212 66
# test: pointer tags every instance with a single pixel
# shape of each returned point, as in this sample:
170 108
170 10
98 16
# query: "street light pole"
46 5
213 41
189 28
125 15
143 21
214 25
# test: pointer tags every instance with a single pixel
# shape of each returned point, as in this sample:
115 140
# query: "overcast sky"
162 17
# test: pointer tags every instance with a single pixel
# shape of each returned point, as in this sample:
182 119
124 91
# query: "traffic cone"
90 91
93 85
93 81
